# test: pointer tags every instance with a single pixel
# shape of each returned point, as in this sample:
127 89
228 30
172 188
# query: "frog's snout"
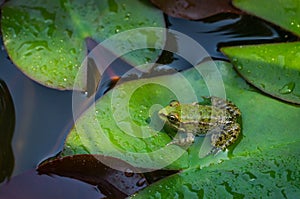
163 113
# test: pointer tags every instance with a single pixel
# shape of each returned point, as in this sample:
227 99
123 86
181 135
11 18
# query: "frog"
219 120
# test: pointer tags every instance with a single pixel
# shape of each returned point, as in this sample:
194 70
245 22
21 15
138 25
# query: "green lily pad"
263 162
271 173
46 39
283 13
272 68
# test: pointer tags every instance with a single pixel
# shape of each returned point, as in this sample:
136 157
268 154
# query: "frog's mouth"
163 114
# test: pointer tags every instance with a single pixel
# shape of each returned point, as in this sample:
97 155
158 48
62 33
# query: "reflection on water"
7 126
31 185
43 117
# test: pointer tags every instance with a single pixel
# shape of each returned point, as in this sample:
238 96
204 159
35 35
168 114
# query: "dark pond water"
43 116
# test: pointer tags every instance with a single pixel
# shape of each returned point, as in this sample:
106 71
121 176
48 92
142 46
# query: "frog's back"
198 119
202 113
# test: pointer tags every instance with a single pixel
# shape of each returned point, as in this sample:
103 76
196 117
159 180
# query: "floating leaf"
46 39
265 157
283 13
195 9
7 126
273 68
271 173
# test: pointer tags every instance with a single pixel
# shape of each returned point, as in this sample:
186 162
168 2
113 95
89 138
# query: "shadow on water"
42 118
7 126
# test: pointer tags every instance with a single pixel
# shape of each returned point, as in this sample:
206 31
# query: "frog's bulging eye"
174 103
173 118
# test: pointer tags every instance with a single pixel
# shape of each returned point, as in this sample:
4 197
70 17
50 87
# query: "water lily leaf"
283 13
46 39
7 126
108 129
265 157
269 173
195 9
273 68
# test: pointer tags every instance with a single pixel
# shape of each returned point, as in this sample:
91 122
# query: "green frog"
219 120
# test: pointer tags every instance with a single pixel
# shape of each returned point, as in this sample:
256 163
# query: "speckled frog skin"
218 120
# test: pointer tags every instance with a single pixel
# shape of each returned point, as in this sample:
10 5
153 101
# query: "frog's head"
171 114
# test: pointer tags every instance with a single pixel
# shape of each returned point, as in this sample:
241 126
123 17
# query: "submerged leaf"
46 39
283 13
195 9
272 68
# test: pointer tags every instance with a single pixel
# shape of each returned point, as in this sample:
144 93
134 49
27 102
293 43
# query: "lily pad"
195 9
46 39
283 13
272 68
263 162
271 173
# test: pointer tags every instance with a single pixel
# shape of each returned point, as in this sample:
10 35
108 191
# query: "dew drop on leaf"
287 88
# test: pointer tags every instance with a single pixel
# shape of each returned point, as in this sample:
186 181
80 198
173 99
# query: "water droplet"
141 182
127 16
117 30
128 173
251 176
287 88
234 60
240 67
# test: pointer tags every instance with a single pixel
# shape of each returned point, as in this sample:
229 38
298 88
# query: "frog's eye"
174 103
173 118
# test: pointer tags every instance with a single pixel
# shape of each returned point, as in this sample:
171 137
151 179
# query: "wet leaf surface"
272 68
195 9
266 149
46 39
7 127
269 173
283 13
